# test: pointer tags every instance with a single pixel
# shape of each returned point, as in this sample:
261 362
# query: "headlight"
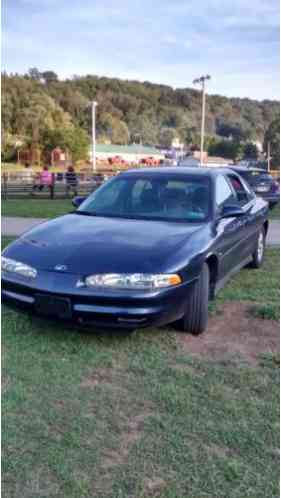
12 266
133 281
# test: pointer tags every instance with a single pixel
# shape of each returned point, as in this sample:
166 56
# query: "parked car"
149 247
263 184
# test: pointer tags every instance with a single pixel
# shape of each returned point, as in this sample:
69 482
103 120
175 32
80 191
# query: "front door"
230 232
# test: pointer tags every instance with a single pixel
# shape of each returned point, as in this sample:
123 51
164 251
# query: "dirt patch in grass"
154 487
100 376
5 383
234 331
131 435
219 451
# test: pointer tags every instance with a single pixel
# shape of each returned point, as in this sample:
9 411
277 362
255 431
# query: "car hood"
86 244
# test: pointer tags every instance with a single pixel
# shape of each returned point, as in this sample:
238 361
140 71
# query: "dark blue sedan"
149 247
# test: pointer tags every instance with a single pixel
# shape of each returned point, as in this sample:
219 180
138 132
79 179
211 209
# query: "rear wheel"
258 254
196 314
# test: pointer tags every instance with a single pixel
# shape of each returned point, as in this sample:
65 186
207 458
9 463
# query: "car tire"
258 254
195 318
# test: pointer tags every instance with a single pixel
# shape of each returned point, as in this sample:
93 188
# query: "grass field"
36 208
138 416
274 213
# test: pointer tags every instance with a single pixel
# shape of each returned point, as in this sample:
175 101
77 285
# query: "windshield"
155 197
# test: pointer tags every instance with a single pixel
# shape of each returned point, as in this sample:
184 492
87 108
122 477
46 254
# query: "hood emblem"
60 267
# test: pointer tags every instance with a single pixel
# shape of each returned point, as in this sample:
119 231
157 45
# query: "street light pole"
94 105
202 81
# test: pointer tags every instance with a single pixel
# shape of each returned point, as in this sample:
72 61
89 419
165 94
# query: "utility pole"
94 105
201 81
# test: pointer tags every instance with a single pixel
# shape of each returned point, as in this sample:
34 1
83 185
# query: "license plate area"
262 188
53 306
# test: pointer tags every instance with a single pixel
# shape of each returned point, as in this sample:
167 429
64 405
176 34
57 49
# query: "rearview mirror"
76 201
231 212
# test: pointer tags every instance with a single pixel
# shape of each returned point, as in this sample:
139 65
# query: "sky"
163 41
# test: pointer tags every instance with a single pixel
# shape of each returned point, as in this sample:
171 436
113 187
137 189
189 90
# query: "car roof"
245 169
178 170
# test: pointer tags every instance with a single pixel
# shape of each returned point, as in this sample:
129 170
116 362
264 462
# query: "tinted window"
224 193
153 197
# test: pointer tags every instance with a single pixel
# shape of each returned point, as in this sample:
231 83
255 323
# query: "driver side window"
224 194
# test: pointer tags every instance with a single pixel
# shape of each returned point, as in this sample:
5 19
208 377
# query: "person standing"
71 181
46 179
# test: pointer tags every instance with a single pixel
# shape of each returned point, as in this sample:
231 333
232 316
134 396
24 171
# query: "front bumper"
107 309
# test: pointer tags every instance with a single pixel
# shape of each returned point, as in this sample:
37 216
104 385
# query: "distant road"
13 227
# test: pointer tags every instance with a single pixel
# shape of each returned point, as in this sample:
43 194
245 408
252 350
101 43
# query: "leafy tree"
8 150
272 135
73 139
225 148
143 128
134 111
120 132
77 141
235 131
34 74
167 135
250 151
49 76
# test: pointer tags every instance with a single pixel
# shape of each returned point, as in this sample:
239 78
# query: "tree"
235 131
250 151
120 132
134 111
8 149
143 128
225 148
77 142
73 139
49 76
166 137
34 74
272 135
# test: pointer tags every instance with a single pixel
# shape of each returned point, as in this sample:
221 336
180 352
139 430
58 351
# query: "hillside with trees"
39 108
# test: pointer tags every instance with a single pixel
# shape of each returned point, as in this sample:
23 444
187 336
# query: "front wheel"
258 254
196 313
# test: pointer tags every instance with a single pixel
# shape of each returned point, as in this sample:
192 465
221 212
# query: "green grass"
261 287
36 208
274 214
266 311
120 416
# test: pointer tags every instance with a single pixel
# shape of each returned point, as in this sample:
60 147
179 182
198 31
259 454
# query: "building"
29 155
134 153
210 161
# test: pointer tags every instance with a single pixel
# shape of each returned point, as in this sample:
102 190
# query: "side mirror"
76 201
231 212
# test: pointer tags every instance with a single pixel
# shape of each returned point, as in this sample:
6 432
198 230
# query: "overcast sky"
163 41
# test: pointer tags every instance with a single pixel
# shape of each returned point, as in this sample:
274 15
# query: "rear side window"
224 194
243 193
